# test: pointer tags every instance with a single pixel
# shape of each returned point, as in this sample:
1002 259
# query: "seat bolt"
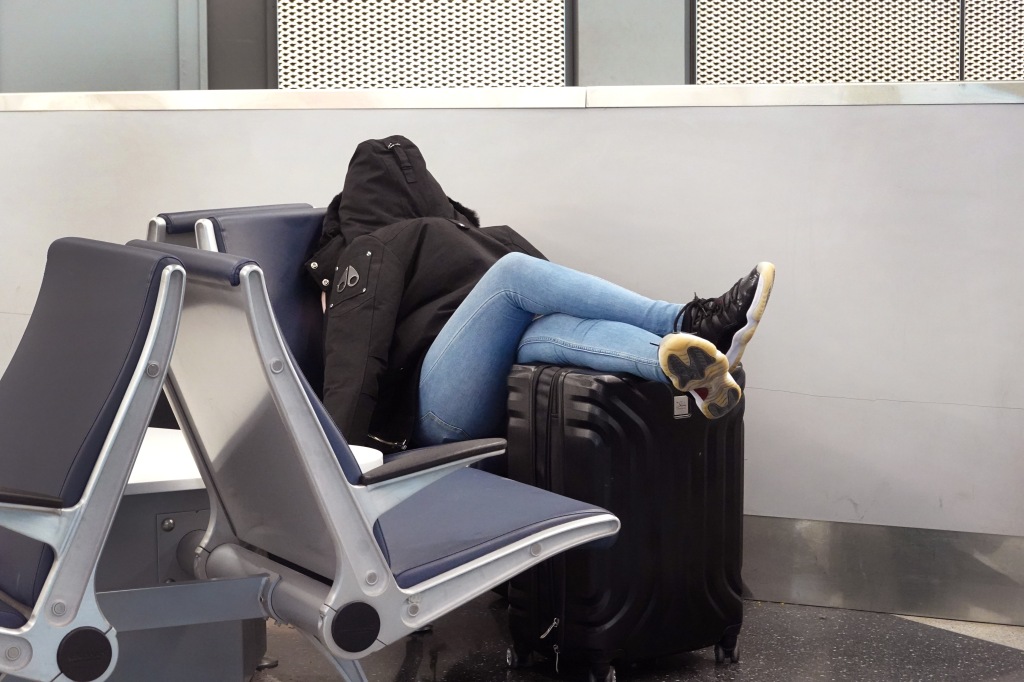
314 265
535 549
371 578
153 369
12 654
59 608
276 366
167 525
414 610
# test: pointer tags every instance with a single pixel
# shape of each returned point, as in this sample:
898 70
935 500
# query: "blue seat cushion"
9 618
463 516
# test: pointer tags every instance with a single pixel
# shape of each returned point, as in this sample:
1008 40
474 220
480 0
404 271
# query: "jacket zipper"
403 161
556 483
542 379
555 566
535 432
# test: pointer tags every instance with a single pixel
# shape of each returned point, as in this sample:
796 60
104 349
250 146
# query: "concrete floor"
1007 635
779 642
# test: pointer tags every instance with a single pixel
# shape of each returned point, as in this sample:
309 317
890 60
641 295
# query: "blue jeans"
529 310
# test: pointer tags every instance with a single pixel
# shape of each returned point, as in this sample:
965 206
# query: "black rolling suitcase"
670 580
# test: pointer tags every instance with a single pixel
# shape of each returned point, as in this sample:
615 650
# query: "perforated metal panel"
420 43
827 41
993 40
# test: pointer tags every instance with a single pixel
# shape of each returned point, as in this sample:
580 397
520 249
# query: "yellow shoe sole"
692 363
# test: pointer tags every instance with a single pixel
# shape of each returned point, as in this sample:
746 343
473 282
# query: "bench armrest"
422 459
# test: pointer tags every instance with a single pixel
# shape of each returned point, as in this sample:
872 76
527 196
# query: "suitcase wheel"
602 673
731 655
517 657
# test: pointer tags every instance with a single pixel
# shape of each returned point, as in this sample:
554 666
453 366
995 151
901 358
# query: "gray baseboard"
910 571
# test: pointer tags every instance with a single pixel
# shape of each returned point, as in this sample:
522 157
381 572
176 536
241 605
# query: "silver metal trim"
157 231
887 569
398 98
995 92
191 603
850 94
206 236
356 550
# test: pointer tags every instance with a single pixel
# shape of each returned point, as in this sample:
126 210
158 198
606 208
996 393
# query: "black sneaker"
694 364
729 321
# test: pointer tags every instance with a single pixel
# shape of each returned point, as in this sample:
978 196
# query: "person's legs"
541 287
463 377
462 380
560 339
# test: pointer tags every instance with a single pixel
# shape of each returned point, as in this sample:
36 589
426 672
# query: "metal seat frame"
282 491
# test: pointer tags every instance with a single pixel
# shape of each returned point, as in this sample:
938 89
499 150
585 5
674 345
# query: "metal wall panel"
993 40
910 571
827 41
420 43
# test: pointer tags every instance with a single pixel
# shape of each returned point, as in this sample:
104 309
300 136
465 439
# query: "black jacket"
398 257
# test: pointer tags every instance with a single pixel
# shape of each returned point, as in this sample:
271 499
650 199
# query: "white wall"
885 384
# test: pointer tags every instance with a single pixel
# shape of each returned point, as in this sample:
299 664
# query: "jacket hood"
388 182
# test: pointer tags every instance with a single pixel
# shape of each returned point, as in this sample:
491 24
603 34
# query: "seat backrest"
179 227
281 238
65 384
256 440
281 241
